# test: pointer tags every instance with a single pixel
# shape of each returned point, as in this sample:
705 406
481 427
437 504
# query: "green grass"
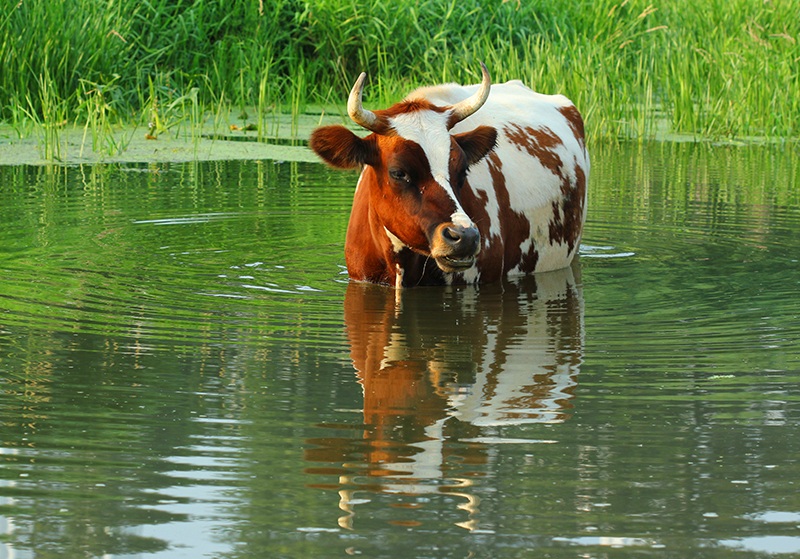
708 68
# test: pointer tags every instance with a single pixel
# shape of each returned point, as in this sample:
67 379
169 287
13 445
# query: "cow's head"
415 170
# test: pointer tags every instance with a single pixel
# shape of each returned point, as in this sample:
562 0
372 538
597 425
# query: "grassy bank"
709 68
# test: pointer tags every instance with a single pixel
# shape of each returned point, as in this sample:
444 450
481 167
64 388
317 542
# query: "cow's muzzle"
455 247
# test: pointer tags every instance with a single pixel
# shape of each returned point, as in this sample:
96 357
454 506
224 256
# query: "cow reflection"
442 370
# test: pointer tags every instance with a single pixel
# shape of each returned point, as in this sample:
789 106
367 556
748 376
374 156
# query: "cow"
461 184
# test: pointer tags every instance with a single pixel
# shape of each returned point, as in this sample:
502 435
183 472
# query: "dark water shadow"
447 373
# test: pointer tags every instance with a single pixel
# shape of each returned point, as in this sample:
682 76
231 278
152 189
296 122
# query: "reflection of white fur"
500 400
411 475
531 381
396 350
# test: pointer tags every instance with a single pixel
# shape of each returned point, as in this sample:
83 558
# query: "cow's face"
415 173
414 170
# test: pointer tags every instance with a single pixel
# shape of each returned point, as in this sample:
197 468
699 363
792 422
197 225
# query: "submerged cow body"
462 184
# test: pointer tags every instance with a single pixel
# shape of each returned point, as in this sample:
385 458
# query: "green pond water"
185 371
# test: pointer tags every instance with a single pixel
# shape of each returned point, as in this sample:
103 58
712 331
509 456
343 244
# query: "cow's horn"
465 108
356 110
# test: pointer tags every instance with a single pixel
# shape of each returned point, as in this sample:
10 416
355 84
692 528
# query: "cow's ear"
477 143
339 147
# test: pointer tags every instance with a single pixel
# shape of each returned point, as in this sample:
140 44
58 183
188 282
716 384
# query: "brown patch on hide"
405 107
567 222
539 143
529 260
575 122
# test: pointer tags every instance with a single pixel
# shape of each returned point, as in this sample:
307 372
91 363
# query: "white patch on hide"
428 129
397 244
472 275
461 219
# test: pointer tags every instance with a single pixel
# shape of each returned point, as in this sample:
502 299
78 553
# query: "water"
185 371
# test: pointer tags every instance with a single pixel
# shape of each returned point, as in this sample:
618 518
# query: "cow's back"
528 197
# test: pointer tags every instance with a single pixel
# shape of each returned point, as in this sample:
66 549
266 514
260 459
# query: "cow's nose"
461 240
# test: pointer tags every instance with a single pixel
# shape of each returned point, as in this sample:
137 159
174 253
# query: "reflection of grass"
702 67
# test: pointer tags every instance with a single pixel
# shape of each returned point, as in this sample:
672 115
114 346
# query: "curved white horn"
465 108
356 110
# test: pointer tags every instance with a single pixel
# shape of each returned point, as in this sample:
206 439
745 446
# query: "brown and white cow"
453 194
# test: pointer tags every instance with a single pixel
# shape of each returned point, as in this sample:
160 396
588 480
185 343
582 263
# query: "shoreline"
285 139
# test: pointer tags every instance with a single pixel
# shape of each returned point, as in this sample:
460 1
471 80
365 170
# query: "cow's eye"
398 175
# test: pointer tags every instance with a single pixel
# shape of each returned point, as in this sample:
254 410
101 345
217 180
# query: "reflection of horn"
471 506
346 504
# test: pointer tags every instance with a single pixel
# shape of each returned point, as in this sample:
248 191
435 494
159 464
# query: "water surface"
185 371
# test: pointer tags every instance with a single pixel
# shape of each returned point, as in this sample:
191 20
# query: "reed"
708 68
49 120
110 133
